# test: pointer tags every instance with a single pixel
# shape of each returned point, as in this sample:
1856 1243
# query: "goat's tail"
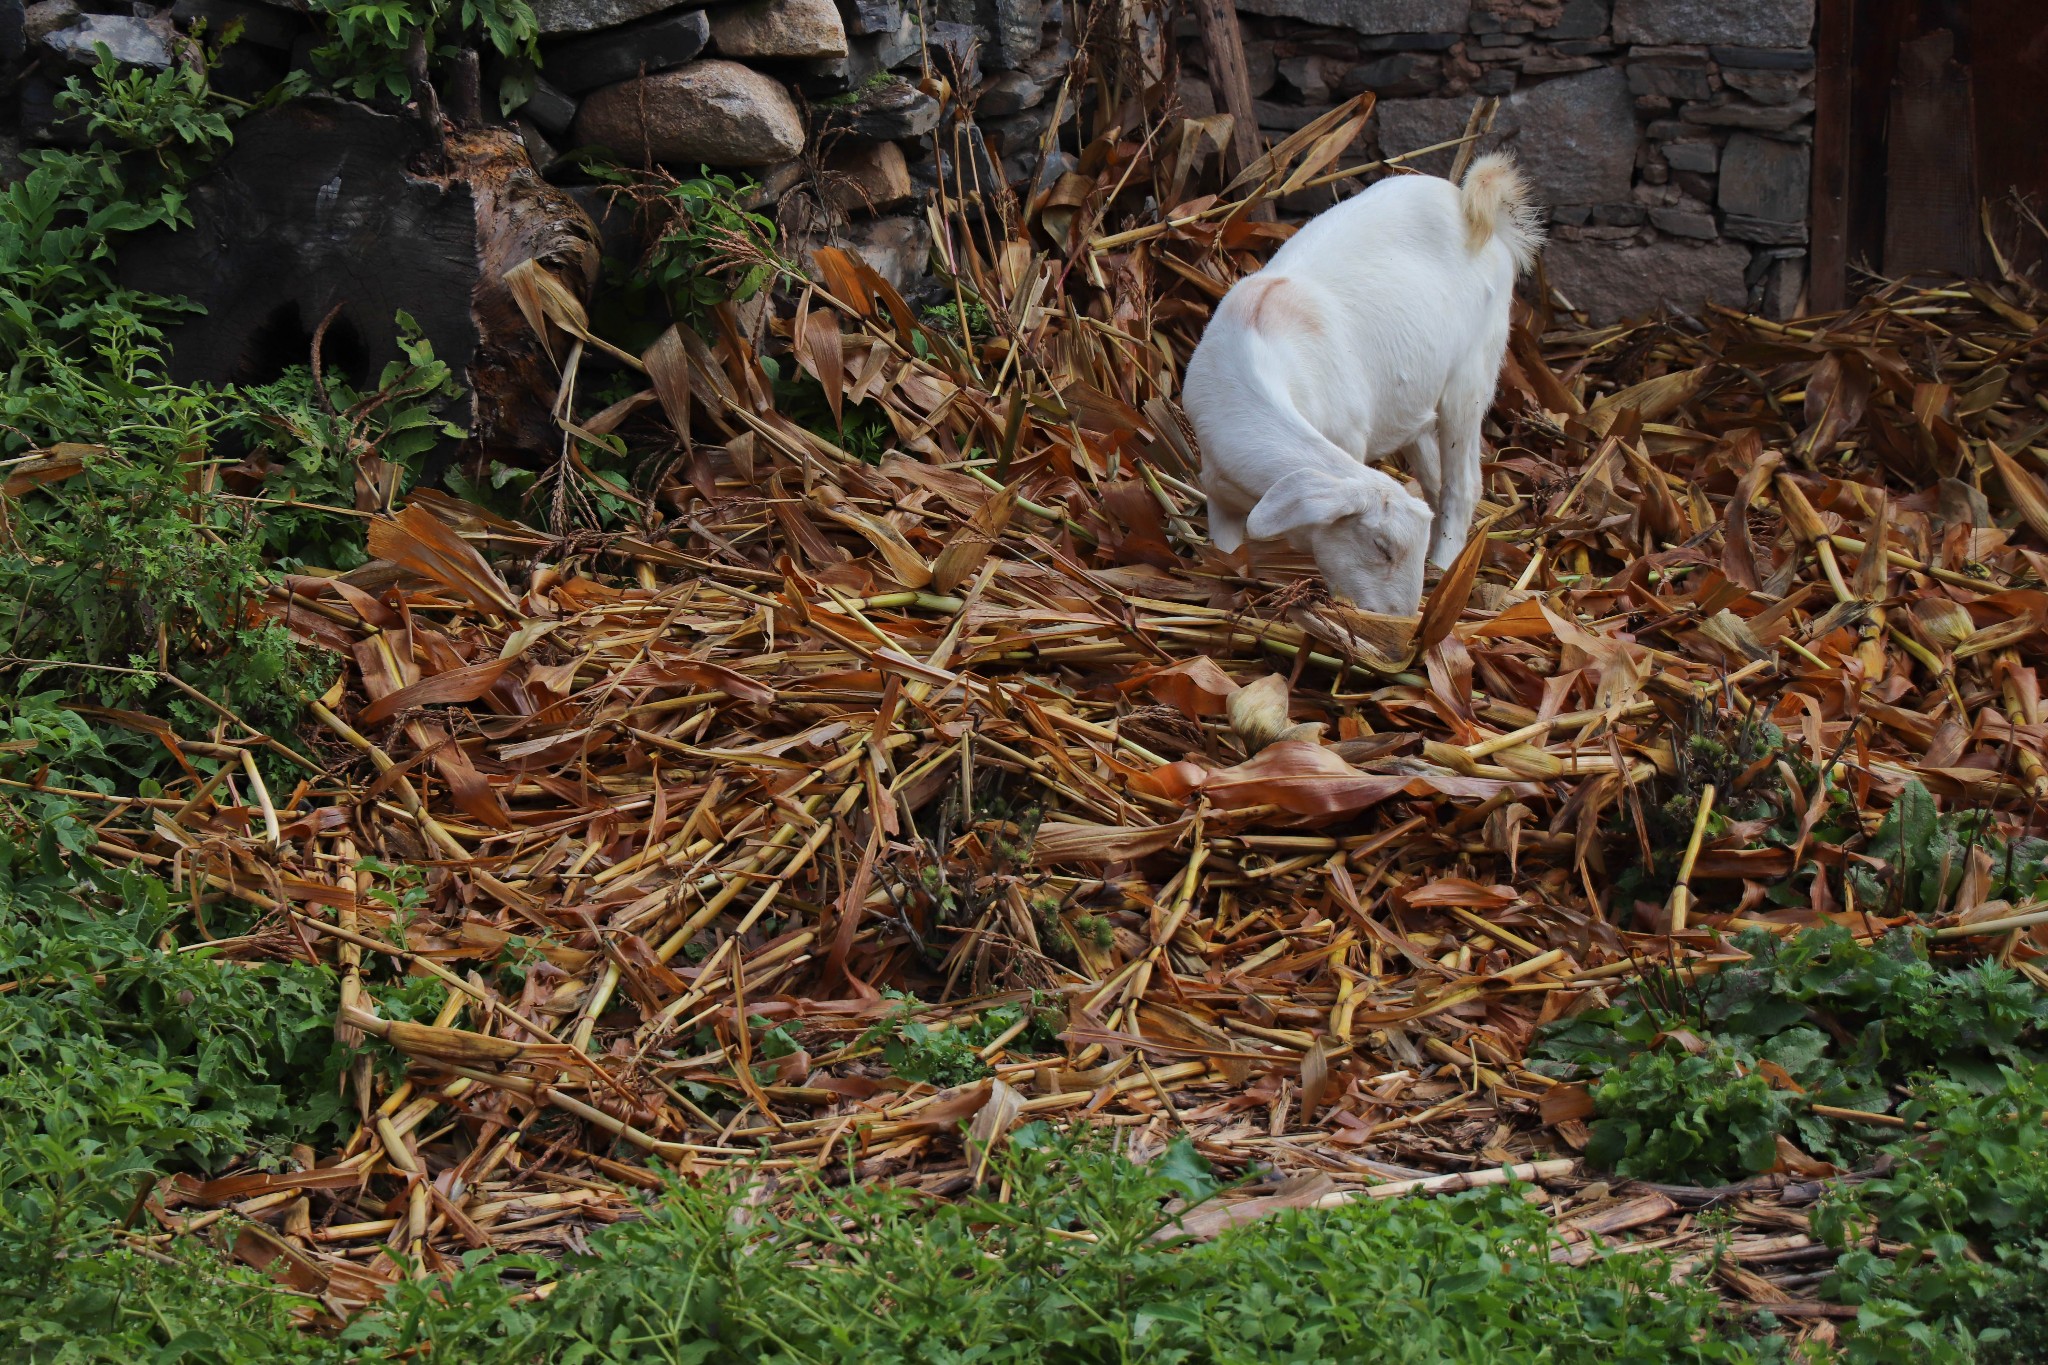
1495 203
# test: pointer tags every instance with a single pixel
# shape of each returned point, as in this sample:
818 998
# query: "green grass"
877 1276
1699 1080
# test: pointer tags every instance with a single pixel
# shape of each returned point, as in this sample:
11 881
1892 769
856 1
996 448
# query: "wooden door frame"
1827 288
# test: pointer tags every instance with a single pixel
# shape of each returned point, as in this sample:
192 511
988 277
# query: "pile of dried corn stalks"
992 717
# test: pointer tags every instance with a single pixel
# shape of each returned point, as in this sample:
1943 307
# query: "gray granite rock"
1398 75
608 56
1011 30
1655 196
1288 118
557 17
867 57
1314 76
1763 178
1011 92
1768 87
1775 118
1487 22
1702 156
1020 134
1556 64
1579 19
1685 223
46 17
539 150
955 51
1764 58
1576 137
1699 187
887 112
139 43
1673 82
886 51
863 17
550 109
863 178
1371 16
1409 42
772 29
1616 281
713 113
1040 177
772 183
1751 23
1262 67
1764 231
1406 125
1785 291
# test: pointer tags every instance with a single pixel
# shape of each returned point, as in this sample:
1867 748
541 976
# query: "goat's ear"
1301 498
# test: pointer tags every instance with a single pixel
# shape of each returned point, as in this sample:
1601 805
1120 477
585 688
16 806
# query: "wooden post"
1827 286
1231 80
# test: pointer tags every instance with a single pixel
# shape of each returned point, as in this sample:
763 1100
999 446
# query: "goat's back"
1406 237
1371 310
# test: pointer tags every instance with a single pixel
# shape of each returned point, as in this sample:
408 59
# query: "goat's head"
1370 536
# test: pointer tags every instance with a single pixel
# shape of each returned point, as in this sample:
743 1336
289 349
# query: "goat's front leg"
1424 459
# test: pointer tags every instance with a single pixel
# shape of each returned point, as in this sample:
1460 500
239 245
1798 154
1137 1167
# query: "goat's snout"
1375 558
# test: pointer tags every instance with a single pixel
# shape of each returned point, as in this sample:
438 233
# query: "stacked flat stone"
1670 139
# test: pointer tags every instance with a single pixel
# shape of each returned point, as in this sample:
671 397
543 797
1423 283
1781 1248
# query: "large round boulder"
711 113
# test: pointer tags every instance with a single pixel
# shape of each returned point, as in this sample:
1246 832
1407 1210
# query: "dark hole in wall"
285 339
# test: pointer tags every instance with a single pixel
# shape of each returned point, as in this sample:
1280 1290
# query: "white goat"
1378 327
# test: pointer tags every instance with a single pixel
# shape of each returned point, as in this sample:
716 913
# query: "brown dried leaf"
1194 687
1452 594
968 548
668 371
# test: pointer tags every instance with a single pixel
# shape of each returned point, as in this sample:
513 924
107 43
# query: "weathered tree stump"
325 206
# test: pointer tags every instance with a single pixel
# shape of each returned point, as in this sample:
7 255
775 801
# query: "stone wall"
1671 139
828 104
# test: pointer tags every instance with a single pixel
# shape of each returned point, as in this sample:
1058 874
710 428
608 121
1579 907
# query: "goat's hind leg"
1458 489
